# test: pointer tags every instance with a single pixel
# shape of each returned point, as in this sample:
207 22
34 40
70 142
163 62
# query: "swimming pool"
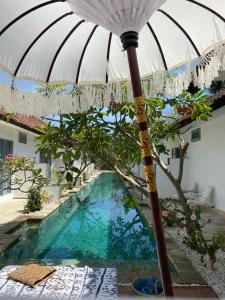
98 226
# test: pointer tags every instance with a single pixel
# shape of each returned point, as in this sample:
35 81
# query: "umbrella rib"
207 8
182 29
60 48
28 12
159 45
37 38
83 52
108 54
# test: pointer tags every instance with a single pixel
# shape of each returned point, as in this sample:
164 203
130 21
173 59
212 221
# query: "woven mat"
32 274
66 283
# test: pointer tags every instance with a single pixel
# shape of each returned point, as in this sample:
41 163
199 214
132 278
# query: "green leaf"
75 170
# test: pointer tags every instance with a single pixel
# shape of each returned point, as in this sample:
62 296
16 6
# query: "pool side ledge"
7 238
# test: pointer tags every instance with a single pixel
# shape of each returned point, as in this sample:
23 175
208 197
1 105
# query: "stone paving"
179 292
10 209
217 221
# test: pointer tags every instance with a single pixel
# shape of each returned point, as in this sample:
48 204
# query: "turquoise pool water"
99 224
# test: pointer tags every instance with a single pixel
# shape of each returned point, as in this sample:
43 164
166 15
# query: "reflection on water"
100 223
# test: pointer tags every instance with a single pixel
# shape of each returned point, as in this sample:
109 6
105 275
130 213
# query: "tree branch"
183 150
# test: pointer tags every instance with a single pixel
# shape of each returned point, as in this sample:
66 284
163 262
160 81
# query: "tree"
11 179
110 136
31 181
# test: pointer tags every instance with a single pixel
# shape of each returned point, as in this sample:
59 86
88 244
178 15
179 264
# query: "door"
6 147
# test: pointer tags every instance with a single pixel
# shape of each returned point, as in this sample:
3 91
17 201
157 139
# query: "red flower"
193 217
9 157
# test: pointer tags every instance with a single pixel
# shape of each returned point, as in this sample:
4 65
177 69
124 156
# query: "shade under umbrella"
60 46
46 41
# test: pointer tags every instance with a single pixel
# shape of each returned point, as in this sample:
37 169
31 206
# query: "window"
176 152
196 135
46 160
43 159
22 138
6 147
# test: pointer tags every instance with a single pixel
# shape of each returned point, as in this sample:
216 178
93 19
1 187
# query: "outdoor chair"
190 194
205 201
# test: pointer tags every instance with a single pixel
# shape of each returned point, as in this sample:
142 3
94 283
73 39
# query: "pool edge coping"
7 239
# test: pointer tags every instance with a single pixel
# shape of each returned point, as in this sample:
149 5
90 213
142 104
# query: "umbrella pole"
130 43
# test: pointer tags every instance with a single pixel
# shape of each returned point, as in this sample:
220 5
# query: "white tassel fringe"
171 83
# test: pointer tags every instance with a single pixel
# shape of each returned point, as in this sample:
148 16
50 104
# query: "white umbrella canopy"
47 42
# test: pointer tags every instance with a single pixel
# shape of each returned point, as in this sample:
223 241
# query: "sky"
24 85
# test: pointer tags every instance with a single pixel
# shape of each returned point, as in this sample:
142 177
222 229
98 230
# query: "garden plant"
19 173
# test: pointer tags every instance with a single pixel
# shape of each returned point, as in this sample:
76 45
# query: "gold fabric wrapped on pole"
130 42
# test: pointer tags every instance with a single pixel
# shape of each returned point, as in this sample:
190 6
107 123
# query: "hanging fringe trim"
83 96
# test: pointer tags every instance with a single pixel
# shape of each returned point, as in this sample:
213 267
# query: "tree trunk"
183 201
177 185
81 171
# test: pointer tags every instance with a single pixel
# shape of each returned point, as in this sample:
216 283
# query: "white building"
17 137
204 164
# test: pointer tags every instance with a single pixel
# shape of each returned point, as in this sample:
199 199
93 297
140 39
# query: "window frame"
22 139
196 131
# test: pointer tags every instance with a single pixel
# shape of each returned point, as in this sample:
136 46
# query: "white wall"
205 161
11 132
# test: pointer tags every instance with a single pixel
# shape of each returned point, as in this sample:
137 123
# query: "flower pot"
148 286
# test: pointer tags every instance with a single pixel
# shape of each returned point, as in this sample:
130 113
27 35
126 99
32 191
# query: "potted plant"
148 286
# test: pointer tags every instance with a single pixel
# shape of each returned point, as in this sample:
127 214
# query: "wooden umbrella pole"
130 43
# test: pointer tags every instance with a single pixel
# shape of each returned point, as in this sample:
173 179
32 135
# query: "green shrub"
34 201
206 248
172 214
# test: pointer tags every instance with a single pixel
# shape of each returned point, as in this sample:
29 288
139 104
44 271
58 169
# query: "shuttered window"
22 138
196 135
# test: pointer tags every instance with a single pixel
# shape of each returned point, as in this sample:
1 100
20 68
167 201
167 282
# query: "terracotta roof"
26 122
218 101
219 94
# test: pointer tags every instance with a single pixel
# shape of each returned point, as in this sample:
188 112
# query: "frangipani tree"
19 173
109 137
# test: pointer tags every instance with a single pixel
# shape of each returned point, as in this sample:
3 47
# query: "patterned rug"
67 283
